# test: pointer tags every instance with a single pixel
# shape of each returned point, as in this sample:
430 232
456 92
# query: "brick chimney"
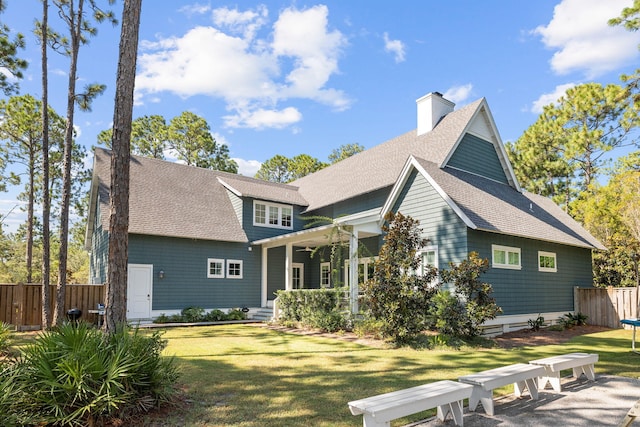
431 108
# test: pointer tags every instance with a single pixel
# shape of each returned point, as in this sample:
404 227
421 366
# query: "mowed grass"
246 375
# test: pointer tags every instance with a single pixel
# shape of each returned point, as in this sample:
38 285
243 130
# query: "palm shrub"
5 337
77 375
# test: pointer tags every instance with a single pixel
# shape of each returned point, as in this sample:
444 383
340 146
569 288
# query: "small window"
506 257
547 262
429 258
272 215
215 268
286 217
325 274
234 269
260 213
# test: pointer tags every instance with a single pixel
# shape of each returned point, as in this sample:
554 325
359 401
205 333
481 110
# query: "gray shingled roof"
380 166
170 199
497 207
264 190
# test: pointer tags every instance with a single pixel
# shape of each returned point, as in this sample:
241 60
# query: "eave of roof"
491 206
250 187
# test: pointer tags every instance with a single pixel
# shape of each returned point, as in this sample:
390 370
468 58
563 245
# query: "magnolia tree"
397 296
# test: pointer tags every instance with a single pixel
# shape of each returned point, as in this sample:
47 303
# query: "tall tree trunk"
116 309
75 27
29 236
46 311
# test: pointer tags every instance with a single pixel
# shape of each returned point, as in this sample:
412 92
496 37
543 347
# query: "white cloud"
550 98
247 167
457 94
394 46
254 74
262 118
583 40
246 23
195 9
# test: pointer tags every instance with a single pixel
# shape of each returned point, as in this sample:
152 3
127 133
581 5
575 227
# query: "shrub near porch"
324 309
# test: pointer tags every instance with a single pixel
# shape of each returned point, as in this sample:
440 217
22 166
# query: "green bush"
314 308
477 303
193 314
235 314
444 313
163 318
536 324
6 335
368 327
77 375
328 321
215 316
570 320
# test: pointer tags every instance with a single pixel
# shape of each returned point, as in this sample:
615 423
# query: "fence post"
576 299
19 303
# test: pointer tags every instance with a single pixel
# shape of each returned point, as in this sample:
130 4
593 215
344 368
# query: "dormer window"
272 215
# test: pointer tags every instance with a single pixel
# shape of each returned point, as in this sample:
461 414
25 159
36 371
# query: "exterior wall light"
161 274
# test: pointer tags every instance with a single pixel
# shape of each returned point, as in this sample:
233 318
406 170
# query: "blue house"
217 240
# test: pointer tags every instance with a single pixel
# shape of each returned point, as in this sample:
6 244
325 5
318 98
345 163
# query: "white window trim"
550 255
323 265
215 276
266 219
364 261
234 261
506 249
432 248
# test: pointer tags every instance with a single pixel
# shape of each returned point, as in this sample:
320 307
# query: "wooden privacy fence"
606 306
20 305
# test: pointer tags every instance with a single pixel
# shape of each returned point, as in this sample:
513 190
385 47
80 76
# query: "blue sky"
292 77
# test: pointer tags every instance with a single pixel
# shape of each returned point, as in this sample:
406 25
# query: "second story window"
272 215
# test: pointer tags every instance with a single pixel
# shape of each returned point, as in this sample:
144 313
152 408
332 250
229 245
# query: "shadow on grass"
248 376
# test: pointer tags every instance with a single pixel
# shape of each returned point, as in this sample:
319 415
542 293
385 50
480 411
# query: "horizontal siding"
529 290
477 156
361 203
439 223
98 259
184 263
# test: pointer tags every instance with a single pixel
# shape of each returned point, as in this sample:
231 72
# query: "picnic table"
632 322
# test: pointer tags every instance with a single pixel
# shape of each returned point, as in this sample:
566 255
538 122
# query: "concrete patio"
581 403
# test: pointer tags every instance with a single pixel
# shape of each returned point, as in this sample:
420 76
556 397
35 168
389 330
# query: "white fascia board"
371 215
400 183
230 188
283 239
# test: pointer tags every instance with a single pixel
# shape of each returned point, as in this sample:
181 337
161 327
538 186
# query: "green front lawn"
244 375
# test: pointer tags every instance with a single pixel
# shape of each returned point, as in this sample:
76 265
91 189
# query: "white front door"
139 288
298 275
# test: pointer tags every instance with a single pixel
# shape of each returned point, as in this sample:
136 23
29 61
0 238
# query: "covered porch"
345 231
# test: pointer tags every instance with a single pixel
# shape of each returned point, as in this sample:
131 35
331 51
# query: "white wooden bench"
521 375
581 363
446 396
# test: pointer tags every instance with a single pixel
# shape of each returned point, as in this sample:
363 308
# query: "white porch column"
353 271
288 267
263 279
